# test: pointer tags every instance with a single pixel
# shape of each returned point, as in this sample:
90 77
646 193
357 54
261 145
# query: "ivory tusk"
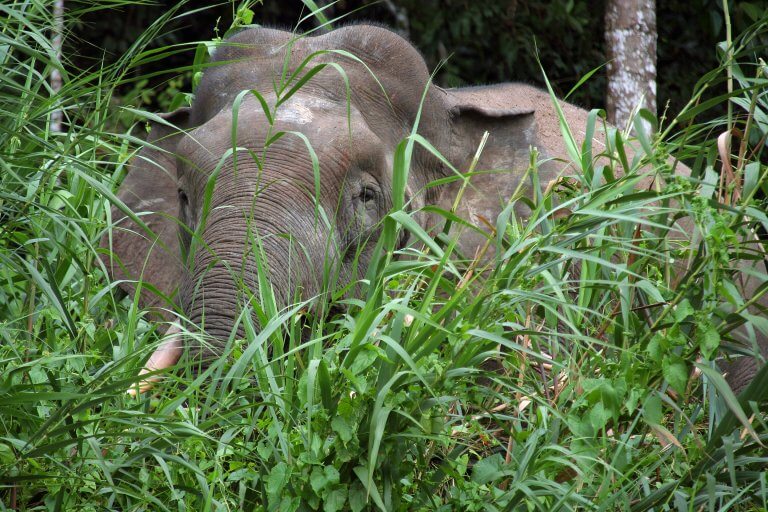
167 354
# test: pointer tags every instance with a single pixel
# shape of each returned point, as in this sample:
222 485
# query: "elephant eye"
183 200
367 195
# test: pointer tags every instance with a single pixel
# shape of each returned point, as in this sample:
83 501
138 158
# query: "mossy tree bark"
56 42
630 36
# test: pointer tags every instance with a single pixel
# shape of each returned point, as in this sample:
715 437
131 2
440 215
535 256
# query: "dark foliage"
483 42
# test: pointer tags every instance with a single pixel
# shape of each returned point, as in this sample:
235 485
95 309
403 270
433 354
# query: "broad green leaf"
709 339
336 499
652 409
683 310
277 479
675 372
488 469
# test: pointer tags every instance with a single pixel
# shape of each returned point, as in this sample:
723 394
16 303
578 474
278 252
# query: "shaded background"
487 41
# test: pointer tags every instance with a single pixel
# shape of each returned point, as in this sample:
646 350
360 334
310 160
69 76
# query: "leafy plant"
575 370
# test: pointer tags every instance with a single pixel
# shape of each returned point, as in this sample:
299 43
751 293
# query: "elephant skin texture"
258 178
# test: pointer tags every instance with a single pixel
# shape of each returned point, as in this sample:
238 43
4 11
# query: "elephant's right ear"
150 191
511 127
511 122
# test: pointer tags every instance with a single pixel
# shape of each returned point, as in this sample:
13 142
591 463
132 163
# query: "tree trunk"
630 37
58 36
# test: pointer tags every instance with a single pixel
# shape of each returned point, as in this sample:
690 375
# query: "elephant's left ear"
511 127
150 190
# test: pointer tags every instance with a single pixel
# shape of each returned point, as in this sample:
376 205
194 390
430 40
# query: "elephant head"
285 158
307 173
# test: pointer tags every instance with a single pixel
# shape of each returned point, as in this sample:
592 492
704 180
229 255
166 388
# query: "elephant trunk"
225 276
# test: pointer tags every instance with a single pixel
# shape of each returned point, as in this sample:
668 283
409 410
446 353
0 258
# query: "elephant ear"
511 128
511 133
150 191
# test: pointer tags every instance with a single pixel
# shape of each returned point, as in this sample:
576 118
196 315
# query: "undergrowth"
574 371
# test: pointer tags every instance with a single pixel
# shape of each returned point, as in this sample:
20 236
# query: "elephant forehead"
331 129
304 110
317 117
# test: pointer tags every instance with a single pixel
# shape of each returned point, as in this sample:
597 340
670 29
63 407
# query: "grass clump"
575 372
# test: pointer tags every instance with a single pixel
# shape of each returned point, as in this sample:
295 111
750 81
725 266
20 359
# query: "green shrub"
393 403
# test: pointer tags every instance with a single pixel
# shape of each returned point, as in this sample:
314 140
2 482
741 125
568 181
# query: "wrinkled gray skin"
355 149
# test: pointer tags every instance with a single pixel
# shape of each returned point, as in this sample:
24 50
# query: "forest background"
482 42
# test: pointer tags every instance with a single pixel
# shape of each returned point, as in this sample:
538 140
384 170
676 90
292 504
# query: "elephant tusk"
167 354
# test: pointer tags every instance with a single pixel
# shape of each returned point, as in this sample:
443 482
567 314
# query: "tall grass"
560 376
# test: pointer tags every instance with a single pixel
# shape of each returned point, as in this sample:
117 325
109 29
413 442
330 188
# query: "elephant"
239 162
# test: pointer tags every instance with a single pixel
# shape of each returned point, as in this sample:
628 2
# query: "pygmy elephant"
238 163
